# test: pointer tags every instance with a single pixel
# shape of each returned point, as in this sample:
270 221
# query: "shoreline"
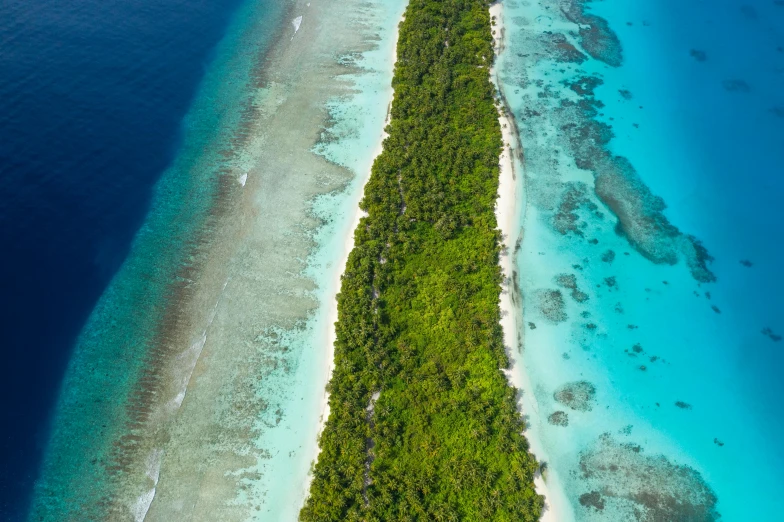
237 441
348 246
510 206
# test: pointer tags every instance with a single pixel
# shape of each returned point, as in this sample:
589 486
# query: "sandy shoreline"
332 313
508 211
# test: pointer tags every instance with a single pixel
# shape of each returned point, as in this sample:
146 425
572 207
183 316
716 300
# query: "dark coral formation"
559 418
585 85
593 499
595 35
559 46
634 486
698 55
683 405
736 85
566 218
640 214
746 263
551 305
697 257
578 395
608 257
767 332
569 281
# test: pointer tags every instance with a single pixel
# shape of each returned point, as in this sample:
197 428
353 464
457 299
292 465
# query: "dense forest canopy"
423 424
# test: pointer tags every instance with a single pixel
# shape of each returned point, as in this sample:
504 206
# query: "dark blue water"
92 93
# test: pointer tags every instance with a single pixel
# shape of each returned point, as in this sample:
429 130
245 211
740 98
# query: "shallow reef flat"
640 328
196 388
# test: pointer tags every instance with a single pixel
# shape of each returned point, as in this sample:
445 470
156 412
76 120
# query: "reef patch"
578 395
770 334
594 33
626 484
569 282
558 418
551 305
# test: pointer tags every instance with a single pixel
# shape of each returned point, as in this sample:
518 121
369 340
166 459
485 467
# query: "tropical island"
422 422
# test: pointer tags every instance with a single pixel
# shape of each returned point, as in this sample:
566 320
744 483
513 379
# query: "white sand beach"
509 208
332 314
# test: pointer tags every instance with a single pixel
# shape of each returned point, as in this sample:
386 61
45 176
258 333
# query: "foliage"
418 311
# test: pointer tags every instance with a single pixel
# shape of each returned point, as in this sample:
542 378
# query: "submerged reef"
626 484
558 418
617 184
770 334
574 112
560 46
578 395
551 305
569 281
700 56
566 219
595 35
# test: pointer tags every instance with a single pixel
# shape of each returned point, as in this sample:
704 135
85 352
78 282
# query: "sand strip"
332 313
509 208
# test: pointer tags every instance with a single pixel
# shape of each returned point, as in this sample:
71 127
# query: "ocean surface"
651 141
207 157
180 182
92 98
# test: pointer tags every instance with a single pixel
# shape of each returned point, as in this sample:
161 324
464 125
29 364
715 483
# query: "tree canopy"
423 424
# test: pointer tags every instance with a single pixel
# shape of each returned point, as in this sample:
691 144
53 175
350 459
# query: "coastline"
348 246
510 207
237 398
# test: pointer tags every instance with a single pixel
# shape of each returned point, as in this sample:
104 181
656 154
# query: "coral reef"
578 395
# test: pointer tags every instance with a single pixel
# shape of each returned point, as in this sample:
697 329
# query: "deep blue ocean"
92 95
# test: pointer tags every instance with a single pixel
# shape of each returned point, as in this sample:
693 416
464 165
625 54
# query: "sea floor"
197 387
652 153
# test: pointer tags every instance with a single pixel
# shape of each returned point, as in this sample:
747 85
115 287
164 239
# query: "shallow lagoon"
684 369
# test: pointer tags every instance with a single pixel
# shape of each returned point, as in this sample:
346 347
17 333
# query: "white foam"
186 361
142 505
154 465
243 179
296 23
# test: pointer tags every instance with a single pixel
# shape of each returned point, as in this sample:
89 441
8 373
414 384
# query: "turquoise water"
650 254
197 386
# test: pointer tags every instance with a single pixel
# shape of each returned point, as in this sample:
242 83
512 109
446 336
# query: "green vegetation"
419 305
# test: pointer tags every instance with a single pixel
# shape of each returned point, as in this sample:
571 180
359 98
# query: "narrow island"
423 424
